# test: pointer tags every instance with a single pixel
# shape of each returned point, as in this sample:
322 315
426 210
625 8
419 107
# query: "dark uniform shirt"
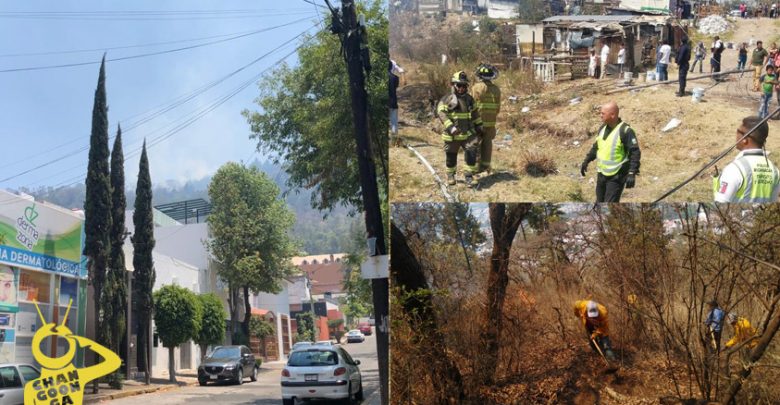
392 87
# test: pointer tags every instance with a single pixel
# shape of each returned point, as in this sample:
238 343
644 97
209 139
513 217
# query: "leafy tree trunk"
97 205
407 274
247 313
143 245
203 349
233 304
504 221
171 365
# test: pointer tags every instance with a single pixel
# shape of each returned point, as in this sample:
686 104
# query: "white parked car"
13 377
321 372
355 336
300 345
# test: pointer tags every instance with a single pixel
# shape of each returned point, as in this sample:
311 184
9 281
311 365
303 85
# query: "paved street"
267 389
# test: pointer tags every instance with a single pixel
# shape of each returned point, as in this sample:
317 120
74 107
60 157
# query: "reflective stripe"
471 168
758 190
487 124
448 123
478 121
460 137
609 162
460 115
446 138
487 106
452 170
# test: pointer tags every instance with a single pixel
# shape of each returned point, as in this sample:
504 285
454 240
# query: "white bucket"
698 94
650 75
627 76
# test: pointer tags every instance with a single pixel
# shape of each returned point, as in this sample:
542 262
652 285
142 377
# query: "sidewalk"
159 383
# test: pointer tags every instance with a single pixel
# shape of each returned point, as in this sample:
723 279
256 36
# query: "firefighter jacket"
742 332
487 97
458 112
599 326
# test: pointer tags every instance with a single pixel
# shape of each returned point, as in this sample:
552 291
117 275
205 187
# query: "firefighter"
462 128
595 321
487 97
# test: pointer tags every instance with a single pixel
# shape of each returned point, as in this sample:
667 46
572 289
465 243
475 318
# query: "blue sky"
46 114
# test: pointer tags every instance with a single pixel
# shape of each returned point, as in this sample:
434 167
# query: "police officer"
617 156
462 125
487 97
751 177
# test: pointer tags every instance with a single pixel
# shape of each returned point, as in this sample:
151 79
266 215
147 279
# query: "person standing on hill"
700 53
487 97
682 60
714 324
742 58
717 50
594 319
462 128
758 61
751 177
743 331
621 57
604 59
665 52
617 155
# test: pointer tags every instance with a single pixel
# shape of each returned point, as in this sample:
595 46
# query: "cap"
732 317
593 309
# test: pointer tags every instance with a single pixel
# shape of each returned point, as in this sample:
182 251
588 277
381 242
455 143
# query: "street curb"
132 393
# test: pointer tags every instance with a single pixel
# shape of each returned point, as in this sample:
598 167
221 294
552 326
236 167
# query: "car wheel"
240 378
348 399
254 374
202 382
288 401
359 394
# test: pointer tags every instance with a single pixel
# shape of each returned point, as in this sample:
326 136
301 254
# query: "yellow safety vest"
760 178
611 154
487 97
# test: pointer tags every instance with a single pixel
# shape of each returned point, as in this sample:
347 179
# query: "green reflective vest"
760 178
611 154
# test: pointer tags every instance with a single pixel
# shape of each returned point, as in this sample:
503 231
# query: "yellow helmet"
460 77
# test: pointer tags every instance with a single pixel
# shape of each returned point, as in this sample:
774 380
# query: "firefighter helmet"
487 72
460 77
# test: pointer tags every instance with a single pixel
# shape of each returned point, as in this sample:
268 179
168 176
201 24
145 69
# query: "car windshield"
311 358
225 352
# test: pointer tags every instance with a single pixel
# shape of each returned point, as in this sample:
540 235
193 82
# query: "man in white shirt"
665 52
604 59
621 57
751 177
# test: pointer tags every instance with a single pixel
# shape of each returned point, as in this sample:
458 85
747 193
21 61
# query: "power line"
185 122
25 69
151 15
150 114
112 48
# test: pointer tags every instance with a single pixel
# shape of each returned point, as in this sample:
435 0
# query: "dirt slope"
564 133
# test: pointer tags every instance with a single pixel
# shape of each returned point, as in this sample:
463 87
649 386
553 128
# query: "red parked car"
365 328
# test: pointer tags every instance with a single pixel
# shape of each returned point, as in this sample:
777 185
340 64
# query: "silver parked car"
321 372
13 377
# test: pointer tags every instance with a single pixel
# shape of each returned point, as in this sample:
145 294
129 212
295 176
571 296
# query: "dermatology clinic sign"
39 236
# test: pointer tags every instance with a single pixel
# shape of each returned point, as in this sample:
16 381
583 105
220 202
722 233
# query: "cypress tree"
143 244
115 293
97 204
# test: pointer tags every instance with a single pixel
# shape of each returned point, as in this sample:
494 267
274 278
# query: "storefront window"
34 286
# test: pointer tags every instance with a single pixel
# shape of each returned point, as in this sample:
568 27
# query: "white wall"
279 304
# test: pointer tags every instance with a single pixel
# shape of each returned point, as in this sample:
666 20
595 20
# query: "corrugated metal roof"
593 18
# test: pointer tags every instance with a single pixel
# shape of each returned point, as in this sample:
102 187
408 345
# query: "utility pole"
354 43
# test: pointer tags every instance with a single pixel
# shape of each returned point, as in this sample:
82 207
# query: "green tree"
305 322
115 292
177 319
359 300
261 329
306 118
212 325
533 11
333 328
97 205
143 265
250 240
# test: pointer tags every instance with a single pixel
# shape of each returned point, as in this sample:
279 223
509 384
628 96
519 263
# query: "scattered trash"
713 25
655 178
513 99
673 123
575 100
507 137
525 109
576 143
650 75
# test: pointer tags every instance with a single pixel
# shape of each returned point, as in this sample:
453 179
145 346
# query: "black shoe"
469 180
678 94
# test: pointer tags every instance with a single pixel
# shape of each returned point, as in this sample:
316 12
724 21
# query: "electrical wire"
148 16
112 48
143 55
204 111
149 114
